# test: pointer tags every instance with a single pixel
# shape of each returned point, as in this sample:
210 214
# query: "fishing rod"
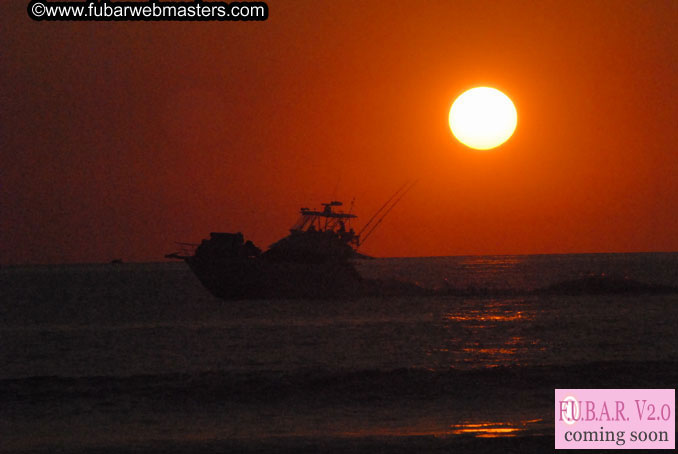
367 235
382 207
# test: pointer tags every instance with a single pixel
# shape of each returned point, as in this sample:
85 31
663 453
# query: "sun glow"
483 118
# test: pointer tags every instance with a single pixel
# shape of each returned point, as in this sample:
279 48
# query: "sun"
483 118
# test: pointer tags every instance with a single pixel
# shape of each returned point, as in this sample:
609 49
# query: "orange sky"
117 139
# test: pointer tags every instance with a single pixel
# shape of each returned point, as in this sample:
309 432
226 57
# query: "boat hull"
239 278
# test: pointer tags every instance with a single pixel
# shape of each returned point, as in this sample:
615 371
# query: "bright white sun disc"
483 118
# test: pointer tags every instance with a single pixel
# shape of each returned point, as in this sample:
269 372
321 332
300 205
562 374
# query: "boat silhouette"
316 260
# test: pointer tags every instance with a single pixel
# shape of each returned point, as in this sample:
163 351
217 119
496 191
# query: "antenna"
352 203
408 186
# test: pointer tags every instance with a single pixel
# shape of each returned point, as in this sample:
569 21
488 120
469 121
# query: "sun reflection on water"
485 429
484 317
491 429
492 311
488 333
492 351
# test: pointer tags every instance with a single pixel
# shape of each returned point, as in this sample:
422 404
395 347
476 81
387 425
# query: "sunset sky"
118 139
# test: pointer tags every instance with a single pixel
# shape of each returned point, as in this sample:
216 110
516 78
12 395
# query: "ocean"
141 358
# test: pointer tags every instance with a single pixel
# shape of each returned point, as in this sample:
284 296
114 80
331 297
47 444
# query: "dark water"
138 357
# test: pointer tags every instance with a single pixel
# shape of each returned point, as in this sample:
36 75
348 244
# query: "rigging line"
367 235
382 207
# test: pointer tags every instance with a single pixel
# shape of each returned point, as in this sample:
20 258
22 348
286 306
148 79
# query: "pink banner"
615 418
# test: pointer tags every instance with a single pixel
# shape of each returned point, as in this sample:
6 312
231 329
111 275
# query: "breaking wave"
599 284
342 386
